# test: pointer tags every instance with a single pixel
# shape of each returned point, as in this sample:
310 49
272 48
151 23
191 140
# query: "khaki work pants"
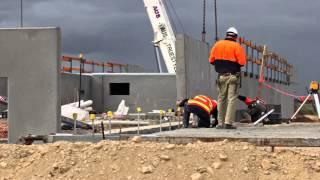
228 91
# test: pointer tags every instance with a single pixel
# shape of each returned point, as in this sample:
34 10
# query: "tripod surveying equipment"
314 88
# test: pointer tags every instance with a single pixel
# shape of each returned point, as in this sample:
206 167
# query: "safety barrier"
276 68
90 66
269 67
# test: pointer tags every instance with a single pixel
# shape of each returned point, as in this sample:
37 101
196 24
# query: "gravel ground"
148 160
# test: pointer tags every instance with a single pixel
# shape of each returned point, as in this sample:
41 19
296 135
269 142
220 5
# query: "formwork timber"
284 135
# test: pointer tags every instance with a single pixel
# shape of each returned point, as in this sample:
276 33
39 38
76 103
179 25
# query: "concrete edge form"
277 142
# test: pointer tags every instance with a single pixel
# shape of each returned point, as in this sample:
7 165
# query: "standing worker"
228 57
203 107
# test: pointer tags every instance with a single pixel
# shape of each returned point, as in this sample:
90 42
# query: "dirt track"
129 160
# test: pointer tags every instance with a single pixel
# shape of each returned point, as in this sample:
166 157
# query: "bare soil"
147 160
3 128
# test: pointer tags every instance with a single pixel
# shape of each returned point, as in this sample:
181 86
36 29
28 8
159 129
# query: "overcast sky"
119 30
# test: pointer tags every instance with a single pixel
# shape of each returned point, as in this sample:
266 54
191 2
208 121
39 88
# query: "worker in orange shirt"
201 106
228 57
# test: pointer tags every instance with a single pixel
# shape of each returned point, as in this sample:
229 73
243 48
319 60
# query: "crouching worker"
201 106
256 109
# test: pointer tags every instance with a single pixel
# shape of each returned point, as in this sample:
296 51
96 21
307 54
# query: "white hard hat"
232 30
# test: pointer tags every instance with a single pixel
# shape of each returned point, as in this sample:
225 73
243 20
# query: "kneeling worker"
256 109
202 106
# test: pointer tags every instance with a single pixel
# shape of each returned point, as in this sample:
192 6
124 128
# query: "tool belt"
238 74
229 74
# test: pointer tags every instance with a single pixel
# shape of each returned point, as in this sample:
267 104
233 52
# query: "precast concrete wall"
136 69
30 60
70 87
147 90
195 75
250 87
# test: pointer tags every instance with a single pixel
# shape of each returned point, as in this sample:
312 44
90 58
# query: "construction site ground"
129 160
294 134
194 153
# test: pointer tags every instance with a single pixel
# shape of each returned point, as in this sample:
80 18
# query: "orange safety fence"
104 67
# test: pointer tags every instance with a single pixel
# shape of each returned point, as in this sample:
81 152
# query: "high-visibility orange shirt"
204 102
229 51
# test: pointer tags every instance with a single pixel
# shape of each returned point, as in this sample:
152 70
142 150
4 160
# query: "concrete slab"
276 135
30 61
294 135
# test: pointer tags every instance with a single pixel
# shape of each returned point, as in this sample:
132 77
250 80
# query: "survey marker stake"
102 130
74 116
170 116
139 110
161 113
178 116
109 114
92 117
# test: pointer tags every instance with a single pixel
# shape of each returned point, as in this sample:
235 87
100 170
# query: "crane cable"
176 16
216 20
174 27
204 22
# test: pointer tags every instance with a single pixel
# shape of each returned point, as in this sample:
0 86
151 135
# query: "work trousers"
204 117
228 91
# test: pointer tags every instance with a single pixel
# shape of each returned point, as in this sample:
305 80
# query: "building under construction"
35 72
150 91
96 119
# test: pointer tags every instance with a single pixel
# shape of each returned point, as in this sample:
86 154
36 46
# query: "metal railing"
90 66
275 68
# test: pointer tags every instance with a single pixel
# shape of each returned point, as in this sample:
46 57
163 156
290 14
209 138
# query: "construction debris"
68 110
122 110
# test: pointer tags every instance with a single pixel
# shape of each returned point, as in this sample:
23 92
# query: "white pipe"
294 115
83 104
263 117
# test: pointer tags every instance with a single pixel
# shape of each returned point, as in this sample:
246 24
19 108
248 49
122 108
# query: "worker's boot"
229 126
245 121
219 126
214 123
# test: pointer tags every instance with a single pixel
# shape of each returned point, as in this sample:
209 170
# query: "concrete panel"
150 91
136 69
194 73
30 60
70 86
250 88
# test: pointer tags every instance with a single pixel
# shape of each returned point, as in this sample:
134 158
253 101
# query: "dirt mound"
146 160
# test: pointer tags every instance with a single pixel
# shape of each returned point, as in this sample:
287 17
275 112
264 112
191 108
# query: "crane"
164 37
